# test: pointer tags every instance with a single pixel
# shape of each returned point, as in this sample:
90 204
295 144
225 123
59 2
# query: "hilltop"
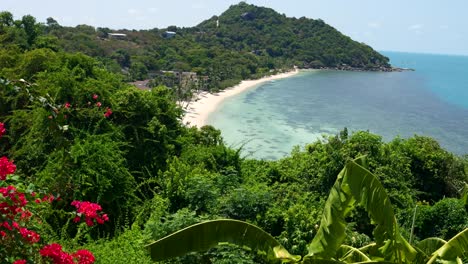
308 42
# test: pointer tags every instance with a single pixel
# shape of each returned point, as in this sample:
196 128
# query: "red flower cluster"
2 129
28 235
58 256
90 212
108 112
13 215
67 105
6 167
84 256
13 203
95 96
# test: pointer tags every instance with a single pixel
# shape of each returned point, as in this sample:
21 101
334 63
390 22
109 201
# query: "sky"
426 26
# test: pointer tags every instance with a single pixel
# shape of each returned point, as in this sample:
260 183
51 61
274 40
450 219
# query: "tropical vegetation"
77 131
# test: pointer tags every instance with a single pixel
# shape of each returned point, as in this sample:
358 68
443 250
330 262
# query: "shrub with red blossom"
55 253
17 239
2 129
90 211
6 167
108 112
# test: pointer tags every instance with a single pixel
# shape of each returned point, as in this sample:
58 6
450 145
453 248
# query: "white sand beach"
205 103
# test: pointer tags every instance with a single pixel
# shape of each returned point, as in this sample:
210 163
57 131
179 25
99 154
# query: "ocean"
269 120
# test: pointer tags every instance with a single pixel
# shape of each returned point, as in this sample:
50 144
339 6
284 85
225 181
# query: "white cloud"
89 20
132 11
374 25
198 5
416 27
153 10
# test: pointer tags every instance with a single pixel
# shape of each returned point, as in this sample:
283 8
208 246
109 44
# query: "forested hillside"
72 130
245 41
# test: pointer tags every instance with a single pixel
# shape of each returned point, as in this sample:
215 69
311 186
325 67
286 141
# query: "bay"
432 101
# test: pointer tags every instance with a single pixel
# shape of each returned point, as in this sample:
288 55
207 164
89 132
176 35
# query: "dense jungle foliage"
78 131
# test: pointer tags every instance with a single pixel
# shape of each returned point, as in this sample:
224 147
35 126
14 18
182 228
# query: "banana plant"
354 185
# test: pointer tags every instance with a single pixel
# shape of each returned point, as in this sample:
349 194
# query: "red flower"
67 105
95 96
84 256
48 198
6 167
98 104
58 256
90 212
20 261
108 112
2 129
30 236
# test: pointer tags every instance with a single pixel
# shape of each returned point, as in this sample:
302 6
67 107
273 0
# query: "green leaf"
203 236
430 245
426 247
350 254
454 249
355 184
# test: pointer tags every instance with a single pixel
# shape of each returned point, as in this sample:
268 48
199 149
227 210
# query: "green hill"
308 42
246 41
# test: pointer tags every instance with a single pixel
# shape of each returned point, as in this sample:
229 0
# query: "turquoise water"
272 118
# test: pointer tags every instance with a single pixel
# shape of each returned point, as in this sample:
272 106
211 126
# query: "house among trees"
116 35
169 34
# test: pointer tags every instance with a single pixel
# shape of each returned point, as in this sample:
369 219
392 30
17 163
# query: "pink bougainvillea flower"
58 256
30 236
108 112
84 256
67 105
98 104
6 167
95 96
55 252
2 129
20 261
90 211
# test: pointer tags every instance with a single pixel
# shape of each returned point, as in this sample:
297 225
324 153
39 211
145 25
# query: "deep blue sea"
275 116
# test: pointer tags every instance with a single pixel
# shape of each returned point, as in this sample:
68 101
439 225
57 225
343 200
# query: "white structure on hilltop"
116 35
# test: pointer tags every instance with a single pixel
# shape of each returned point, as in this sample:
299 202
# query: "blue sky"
429 26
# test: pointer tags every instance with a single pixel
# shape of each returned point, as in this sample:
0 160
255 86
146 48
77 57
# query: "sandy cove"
206 103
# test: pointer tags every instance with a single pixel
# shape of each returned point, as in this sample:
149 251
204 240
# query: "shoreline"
205 103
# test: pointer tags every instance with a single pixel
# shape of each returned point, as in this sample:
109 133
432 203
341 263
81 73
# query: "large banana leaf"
453 250
430 245
426 247
203 236
350 254
356 185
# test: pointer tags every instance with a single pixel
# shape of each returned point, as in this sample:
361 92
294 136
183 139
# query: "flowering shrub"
90 212
17 239
55 253
6 167
2 129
